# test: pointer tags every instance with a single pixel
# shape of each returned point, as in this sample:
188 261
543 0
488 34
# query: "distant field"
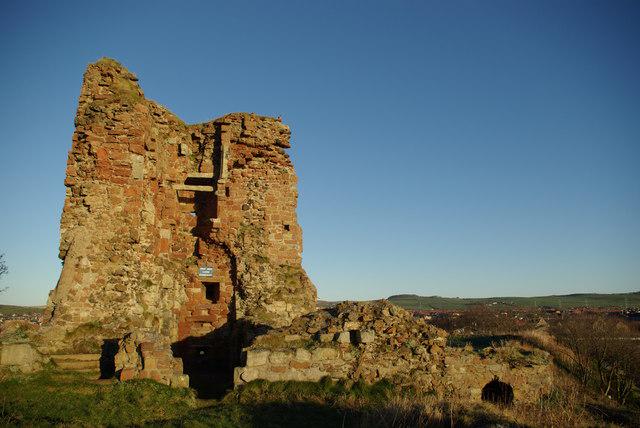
8 309
412 301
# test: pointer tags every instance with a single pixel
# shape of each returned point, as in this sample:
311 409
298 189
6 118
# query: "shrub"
603 353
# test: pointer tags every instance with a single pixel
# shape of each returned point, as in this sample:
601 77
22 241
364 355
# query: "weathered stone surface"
322 354
366 336
326 337
148 356
132 241
77 362
353 354
302 355
279 358
343 337
20 357
390 344
257 357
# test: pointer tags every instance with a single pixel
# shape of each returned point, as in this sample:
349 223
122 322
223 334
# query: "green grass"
50 397
412 301
61 398
68 399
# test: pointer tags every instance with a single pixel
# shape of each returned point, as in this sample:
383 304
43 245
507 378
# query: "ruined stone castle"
173 229
181 257
150 200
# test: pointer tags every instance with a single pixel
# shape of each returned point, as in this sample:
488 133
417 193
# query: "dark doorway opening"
108 352
498 392
209 361
212 291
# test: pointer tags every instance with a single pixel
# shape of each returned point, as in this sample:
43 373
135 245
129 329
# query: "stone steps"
77 362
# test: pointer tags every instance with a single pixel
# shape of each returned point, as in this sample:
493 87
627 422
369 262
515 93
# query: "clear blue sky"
466 148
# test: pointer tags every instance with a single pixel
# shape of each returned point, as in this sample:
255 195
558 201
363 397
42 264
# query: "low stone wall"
20 357
374 341
144 357
369 341
468 371
17 354
295 364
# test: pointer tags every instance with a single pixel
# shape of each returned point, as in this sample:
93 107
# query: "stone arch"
498 392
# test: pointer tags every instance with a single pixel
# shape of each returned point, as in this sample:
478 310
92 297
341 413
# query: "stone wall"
468 371
354 340
141 357
375 341
150 200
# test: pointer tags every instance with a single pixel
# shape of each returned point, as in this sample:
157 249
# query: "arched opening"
498 392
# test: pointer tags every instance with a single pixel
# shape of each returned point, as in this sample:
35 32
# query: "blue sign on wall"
205 271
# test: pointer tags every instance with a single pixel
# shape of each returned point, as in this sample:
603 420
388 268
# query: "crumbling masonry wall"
371 341
149 200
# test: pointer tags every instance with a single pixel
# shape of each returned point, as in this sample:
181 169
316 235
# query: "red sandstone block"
118 180
183 331
103 164
136 147
146 347
169 213
202 318
118 155
127 374
101 154
300 364
132 191
122 171
163 245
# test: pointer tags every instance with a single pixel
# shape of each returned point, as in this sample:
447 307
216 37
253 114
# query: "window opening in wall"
212 291
287 227
227 192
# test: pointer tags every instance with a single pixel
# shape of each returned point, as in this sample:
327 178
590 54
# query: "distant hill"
566 301
412 301
10 309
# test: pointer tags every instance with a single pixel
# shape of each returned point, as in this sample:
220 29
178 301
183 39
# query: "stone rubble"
354 340
149 357
371 341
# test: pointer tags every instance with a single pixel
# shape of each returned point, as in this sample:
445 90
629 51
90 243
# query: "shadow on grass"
614 415
322 415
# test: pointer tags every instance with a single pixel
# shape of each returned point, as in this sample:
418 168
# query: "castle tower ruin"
172 229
